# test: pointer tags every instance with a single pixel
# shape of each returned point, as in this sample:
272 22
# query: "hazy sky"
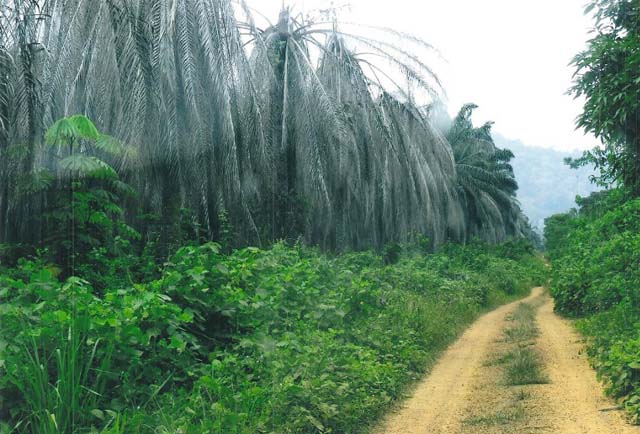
510 57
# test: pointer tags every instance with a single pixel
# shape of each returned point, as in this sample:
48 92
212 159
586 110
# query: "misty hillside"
547 185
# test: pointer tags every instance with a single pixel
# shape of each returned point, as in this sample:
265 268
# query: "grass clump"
524 326
514 411
499 360
525 367
523 364
505 416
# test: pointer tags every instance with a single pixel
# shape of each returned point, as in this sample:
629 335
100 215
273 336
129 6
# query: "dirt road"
465 392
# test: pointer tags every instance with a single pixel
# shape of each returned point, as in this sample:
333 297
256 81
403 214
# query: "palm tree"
369 164
168 77
295 130
19 53
486 183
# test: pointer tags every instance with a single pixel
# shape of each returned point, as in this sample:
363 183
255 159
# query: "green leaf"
98 413
109 145
105 172
85 129
60 132
315 422
84 165
223 269
186 316
80 163
70 130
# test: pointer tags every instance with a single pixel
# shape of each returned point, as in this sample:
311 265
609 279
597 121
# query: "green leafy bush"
596 276
281 340
66 352
599 264
615 352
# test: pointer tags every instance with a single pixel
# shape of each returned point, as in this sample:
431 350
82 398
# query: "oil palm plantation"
297 130
167 77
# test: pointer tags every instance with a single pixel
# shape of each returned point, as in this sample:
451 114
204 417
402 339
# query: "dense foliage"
117 312
282 340
296 130
608 77
597 257
596 275
485 180
595 251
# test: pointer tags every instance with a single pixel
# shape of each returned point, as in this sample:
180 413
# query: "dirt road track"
573 392
573 400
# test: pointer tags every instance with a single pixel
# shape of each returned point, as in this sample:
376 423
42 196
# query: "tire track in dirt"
438 403
464 384
576 397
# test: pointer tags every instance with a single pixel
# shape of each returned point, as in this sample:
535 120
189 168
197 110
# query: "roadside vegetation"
146 147
595 254
280 340
131 298
595 250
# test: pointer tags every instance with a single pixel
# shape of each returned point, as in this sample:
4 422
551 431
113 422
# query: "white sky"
510 57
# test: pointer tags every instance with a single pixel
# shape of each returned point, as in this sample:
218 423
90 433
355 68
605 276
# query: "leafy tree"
556 229
608 77
85 218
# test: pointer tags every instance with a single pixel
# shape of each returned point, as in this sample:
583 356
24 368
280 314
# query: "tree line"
219 128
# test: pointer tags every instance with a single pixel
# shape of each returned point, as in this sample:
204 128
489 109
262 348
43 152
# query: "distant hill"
547 185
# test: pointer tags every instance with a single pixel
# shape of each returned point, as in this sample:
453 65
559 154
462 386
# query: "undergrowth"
285 340
595 255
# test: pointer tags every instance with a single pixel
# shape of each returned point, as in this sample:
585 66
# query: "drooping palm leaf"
294 130
486 182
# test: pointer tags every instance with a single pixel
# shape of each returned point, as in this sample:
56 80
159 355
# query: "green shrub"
599 264
69 352
391 253
596 275
280 340
614 349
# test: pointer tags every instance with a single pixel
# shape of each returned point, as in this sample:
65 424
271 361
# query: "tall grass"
60 379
